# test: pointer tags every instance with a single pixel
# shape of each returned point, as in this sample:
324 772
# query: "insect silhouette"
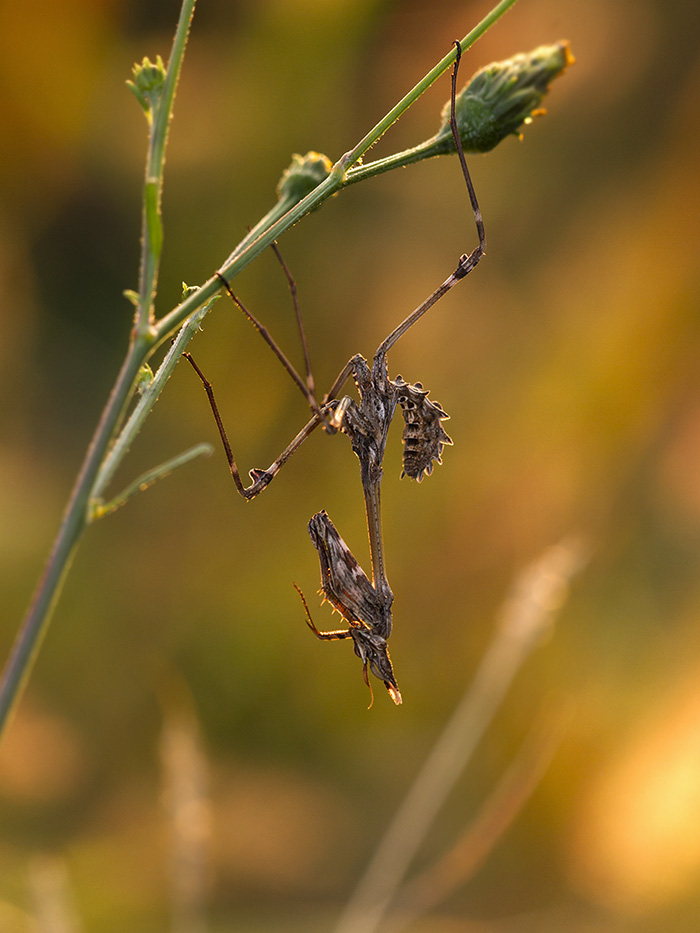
365 605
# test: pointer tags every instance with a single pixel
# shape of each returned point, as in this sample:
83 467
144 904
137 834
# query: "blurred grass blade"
527 614
50 889
459 864
185 777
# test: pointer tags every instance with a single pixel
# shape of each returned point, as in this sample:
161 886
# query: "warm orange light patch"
43 757
637 844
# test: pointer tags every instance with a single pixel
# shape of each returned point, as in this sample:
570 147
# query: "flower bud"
501 98
303 175
147 85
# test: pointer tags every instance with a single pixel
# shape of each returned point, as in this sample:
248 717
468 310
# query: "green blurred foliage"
568 364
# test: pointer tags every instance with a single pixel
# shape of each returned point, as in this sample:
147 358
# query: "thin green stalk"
35 623
100 509
72 527
152 230
466 43
387 164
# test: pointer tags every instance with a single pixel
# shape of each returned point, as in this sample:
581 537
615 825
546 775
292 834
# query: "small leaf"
144 378
188 290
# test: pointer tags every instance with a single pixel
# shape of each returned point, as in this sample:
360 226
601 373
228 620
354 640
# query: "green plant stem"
142 482
466 43
151 223
387 164
72 527
75 517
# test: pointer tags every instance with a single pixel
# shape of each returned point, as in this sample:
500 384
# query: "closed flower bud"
501 98
496 103
303 175
148 83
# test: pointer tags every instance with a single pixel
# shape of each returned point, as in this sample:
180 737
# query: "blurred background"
187 756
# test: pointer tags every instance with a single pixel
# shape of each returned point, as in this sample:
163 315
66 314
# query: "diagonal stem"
75 518
33 628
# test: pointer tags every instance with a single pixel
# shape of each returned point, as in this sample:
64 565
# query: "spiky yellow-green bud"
147 86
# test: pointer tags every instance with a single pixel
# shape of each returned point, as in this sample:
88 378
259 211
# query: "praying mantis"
366 604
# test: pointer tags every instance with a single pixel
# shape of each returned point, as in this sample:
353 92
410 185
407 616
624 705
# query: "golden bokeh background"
178 666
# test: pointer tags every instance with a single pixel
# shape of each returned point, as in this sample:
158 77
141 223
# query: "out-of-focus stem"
526 616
